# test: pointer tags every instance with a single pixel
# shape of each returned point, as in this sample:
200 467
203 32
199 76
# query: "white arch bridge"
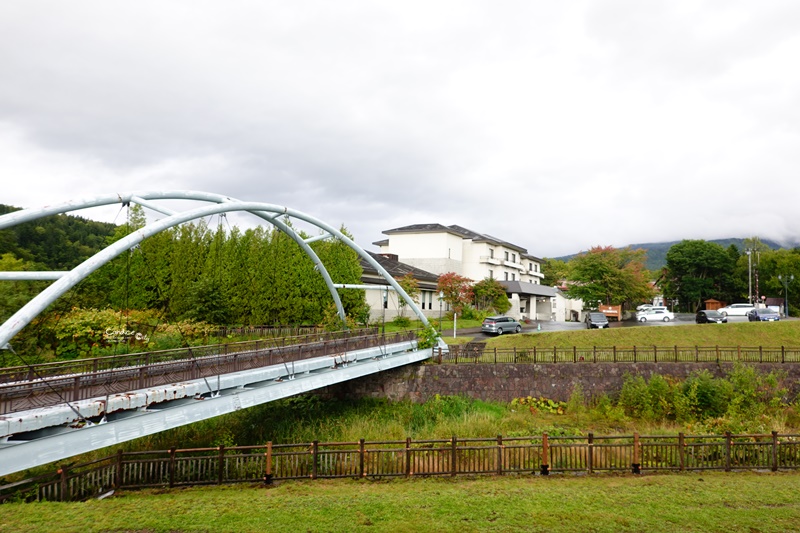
118 399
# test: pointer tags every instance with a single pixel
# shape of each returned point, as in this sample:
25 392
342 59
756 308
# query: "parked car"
763 314
597 320
643 307
736 309
500 324
708 316
656 314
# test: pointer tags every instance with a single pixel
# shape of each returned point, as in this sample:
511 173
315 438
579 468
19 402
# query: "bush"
401 321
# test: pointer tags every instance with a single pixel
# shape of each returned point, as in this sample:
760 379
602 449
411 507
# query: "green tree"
697 270
490 294
609 275
555 272
409 284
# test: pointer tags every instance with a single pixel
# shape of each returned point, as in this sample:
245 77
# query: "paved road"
680 319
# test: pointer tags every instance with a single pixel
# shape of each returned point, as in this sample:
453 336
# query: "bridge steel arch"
223 204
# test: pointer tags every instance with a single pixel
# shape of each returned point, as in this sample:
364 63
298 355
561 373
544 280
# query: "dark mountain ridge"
657 251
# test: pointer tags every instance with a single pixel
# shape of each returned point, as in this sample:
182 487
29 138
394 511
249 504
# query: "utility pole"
786 280
749 276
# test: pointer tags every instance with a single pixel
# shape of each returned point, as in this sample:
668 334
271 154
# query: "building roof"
532 289
455 230
396 269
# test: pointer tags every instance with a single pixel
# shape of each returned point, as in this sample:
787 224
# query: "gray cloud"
556 127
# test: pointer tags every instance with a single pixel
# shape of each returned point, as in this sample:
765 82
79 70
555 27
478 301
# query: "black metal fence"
540 455
480 353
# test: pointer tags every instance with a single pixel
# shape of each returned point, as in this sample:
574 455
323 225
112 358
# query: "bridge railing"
53 384
109 362
541 454
480 353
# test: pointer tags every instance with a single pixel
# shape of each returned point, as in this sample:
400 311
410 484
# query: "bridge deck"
43 435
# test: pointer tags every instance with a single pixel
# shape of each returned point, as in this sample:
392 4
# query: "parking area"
680 319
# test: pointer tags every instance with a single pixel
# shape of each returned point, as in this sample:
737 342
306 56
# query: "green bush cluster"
744 394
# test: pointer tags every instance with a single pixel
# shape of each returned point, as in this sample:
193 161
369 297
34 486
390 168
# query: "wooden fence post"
534 355
65 496
681 457
636 465
268 464
545 467
453 456
515 354
172 467
590 452
118 472
361 458
634 353
500 455
408 457
676 353
728 444
314 450
774 451
221 464
495 355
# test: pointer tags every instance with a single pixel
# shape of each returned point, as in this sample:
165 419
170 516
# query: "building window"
491 253
513 276
491 274
506 256
506 274
530 267
513 258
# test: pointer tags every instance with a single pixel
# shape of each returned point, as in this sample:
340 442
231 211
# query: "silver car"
500 324
736 309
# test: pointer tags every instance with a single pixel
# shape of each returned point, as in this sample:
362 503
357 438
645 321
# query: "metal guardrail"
480 353
52 384
542 455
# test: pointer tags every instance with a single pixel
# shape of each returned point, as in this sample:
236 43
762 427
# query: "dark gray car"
595 319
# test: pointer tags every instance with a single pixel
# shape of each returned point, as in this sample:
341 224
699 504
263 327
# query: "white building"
383 301
442 249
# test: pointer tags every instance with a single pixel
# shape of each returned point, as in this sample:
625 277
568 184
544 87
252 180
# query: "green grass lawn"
784 333
699 501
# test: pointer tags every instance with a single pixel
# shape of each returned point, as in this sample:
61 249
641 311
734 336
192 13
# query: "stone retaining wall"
504 382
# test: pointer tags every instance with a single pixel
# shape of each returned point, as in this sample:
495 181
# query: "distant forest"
657 251
57 242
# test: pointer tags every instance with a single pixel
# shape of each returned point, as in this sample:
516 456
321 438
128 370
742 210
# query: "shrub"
401 321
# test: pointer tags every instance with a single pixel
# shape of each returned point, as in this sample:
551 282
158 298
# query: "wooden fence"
541 455
480 353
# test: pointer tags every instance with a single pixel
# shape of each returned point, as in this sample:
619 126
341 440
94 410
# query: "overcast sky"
556 126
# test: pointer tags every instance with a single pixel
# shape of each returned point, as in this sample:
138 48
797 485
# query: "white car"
656 314
736 309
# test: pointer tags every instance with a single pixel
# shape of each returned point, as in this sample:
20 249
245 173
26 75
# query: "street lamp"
385 305
441 297
786 280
